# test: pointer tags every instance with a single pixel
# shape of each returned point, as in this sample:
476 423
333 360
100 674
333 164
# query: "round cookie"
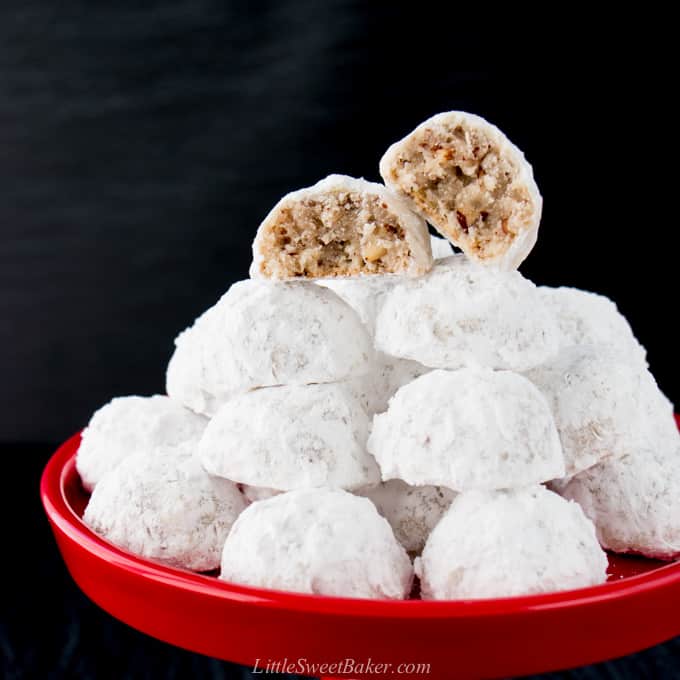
412 511
263 333
468 429
320 541
129 425
604 405
470 182
341 226
167 508
462 314
634 501
586 318
290 438
505 543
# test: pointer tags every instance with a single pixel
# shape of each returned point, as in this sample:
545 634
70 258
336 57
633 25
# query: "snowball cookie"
290 438
586 318
471 183
412 511
468 429
462 314
386 376
167 508
129 425
263 333
506 543
320 541
634 501
603 405
441 248
341 226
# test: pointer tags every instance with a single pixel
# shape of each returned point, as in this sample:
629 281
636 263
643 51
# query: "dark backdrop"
142 142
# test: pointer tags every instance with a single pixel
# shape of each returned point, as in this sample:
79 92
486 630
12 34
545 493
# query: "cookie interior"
459 179
335 233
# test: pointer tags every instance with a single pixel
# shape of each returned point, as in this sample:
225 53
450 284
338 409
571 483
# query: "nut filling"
462 183
334 234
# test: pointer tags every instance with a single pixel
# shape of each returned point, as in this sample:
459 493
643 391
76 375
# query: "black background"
141 144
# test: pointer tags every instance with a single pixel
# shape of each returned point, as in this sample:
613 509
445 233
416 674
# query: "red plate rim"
60 513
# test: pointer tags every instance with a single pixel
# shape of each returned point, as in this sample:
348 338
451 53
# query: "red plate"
636 608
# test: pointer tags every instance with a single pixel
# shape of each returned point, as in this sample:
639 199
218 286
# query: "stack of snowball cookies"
371 406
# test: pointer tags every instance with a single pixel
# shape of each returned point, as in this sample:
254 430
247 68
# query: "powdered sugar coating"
387 375
586 318
290 438
468 429
257 493
321 541
505 543
441 247
634 501
348 215
364 294
412 511
463 314
165 507
264 333
603 404
129 425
